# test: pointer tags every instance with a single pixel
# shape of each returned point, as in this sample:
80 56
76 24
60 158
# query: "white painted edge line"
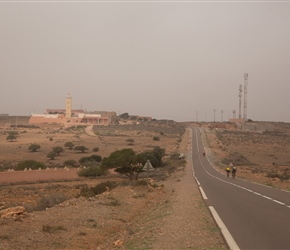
198 183
202 193
228 237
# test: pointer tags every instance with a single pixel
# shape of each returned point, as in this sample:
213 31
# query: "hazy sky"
166 59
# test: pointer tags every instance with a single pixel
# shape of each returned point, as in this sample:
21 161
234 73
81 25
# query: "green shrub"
156 138
92 171
123 157
98 189
30 164
90 159
81 148
95 149
57 150
11 137
69 145
96 158
71 163
51 155
34 147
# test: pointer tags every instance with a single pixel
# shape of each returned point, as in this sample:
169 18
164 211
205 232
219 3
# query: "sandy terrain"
108 140
259 156
168 214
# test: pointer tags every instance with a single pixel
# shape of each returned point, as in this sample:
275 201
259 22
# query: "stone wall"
14 120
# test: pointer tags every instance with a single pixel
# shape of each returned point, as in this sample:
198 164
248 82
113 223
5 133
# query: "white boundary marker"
225 232
228 237
202 193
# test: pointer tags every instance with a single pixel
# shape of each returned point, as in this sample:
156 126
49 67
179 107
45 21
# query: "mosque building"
71 117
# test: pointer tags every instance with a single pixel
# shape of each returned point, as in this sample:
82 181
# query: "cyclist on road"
234 170
228 170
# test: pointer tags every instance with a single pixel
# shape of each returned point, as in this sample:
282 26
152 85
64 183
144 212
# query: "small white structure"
181 156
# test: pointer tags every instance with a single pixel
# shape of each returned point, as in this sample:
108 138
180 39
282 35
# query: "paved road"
257 216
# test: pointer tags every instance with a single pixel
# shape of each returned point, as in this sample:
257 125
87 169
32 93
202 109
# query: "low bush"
71 163
90 159
130 142
69 145
238 159
81 148
285 175
27 164
52 229
46 202
34 147
92 171
95 149
98 189
51 155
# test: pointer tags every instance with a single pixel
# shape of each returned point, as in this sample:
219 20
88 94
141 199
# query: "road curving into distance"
250 215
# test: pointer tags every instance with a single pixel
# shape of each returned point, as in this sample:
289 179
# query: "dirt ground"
261 157
168 214
163 215
108 140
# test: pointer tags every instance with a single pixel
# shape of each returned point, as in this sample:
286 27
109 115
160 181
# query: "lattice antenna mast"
245 95
240 101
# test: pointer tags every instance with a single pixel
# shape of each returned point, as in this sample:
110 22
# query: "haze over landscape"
175 60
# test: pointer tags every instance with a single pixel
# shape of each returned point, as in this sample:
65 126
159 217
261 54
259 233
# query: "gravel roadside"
189 224
170 216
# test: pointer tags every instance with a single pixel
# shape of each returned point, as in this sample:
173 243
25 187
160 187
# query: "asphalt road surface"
257 216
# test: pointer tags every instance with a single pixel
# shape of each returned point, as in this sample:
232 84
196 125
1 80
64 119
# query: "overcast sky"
166 59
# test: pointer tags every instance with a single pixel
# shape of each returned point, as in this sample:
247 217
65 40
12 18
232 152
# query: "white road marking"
246 189
279 202
202 193
228 237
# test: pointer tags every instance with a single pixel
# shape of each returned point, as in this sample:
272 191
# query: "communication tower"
240 101
245 95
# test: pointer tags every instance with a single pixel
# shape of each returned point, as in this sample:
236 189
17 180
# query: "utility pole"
196 116
222 115
214 115
245 95
240 101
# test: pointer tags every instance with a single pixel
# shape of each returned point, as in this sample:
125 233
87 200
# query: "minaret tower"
68 106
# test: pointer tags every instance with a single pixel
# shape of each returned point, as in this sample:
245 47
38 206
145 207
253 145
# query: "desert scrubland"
128 214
